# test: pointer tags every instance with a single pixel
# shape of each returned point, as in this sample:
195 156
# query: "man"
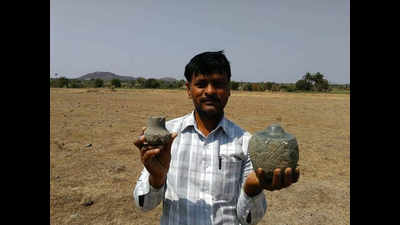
204 174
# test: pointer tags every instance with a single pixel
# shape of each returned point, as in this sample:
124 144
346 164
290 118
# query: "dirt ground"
94 164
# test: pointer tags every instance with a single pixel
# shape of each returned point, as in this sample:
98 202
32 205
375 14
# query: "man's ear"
188 89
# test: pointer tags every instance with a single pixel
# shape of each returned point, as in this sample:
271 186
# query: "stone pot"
273 148
156 133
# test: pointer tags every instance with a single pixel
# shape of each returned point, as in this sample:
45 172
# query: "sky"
270 40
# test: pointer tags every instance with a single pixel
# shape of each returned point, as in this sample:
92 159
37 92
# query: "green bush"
116 83
268 85
234 85
314 82
61 82
303 85
275 87
98 83
151 83
140 82
75 83
322 85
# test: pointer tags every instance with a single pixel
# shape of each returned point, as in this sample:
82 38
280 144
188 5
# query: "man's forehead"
211 76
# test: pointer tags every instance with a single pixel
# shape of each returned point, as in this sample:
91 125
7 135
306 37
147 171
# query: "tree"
268 85
61 82
116 82
322 85
75 83
257 87
234 85
151 83
140 82
303 85
98 83
317 77
308 77
275 87
314 82
131 83
247 87
287 87
181 84
319 83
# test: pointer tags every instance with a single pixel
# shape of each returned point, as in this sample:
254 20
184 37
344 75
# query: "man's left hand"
256 181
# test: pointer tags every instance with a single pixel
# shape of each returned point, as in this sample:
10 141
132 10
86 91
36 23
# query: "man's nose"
210 90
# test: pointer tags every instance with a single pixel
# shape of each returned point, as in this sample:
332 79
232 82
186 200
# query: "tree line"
310 82
64 82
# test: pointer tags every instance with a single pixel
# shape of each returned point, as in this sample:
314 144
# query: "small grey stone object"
273 148
73 216
89 145
156 133
87 201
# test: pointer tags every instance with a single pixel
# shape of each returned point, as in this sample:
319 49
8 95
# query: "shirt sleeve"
250 210
146 196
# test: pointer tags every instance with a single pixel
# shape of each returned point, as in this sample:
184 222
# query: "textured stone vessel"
273 148
156 133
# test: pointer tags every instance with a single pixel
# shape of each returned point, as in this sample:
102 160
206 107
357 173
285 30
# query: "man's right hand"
155 159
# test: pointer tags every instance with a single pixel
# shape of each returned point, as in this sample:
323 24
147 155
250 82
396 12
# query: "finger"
287 178
148 154
264 180
295 175
259 171
173 136
139 142
146 147
143 129
276 179
259 175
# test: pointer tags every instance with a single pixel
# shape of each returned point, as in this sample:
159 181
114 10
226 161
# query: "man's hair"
208 63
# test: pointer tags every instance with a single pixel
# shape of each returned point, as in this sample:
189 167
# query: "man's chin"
210 112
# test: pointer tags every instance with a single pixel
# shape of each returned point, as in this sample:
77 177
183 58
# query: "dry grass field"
94 164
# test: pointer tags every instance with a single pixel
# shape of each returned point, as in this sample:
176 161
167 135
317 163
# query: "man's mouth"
210 102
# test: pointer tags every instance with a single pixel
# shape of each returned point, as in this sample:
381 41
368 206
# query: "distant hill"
168 79
105 76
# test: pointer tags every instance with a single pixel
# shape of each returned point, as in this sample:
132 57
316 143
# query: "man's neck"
204 124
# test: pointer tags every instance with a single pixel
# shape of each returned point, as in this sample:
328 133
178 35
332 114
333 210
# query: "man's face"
209 93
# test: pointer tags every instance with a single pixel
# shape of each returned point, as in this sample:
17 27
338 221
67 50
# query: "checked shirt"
205 178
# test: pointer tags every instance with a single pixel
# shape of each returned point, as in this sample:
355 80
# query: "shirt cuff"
257 205
255 198
155 190
146 196
146 188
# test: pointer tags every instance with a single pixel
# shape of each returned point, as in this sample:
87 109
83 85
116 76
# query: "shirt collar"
191 121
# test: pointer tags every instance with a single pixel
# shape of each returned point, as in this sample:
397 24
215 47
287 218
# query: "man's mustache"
210 98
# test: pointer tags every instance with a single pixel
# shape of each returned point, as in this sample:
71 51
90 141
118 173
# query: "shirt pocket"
226 182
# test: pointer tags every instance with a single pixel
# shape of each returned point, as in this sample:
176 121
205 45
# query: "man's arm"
145 195
150 186
252 206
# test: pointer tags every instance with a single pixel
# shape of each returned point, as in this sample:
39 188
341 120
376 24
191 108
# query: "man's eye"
220 84
201 84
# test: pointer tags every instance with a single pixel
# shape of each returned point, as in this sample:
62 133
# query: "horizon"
169 77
